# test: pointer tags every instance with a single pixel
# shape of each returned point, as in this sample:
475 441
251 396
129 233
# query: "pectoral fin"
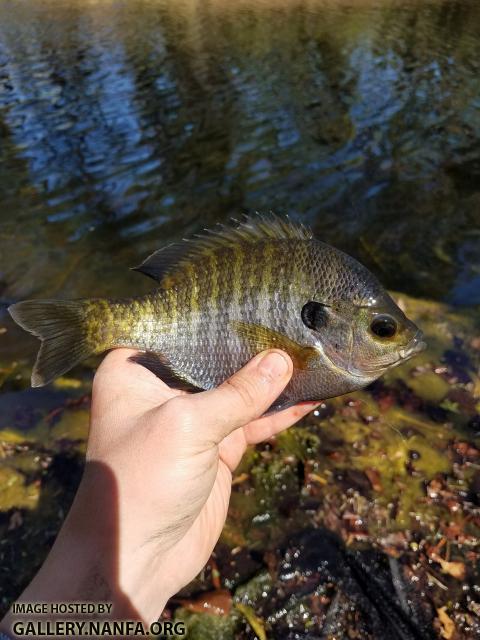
261 338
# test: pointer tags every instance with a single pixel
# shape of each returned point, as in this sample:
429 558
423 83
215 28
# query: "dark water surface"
126 124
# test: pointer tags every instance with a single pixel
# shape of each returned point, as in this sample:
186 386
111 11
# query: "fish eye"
314 315
384 326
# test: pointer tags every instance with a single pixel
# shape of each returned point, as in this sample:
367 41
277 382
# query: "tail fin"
61 326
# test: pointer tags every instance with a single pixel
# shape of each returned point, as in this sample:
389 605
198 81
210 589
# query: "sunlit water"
126 124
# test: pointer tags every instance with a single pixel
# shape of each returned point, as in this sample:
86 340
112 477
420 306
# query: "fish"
225 295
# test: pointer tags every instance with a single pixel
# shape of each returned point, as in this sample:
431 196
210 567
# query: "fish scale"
226 295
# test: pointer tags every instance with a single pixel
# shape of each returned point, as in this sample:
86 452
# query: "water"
126 124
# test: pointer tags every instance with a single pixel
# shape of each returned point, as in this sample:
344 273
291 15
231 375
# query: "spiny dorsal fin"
250 229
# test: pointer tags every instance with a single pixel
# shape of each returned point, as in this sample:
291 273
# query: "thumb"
245 396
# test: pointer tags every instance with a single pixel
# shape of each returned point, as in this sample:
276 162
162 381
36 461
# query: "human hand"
155 492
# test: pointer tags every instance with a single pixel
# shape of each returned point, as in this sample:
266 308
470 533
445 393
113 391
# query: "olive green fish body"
225 296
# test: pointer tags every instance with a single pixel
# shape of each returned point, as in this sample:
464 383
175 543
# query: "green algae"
429 386
206 626
73 425
15 492
254 590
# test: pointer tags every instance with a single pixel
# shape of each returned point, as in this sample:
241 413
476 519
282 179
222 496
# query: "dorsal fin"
251 229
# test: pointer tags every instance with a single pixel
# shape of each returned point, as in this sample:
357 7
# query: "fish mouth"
416 345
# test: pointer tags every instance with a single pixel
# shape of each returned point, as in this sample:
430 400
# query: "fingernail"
273 365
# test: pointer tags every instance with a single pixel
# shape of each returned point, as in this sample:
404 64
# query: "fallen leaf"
316 478
447 624
374 478
455 569
218 603
253 620
239 479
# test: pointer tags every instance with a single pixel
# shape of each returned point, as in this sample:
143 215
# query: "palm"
133 392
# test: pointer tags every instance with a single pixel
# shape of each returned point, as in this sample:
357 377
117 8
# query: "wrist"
89 563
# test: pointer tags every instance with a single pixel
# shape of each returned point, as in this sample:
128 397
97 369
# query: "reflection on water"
123 125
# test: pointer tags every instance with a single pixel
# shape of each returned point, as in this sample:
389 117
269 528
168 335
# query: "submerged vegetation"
123 127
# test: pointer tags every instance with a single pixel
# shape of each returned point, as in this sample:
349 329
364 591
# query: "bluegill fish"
228 294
